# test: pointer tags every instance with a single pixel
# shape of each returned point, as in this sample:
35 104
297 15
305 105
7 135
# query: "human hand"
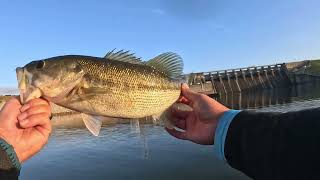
26 128
198 125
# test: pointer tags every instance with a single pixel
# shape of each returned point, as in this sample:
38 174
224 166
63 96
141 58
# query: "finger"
183 100
10 109
34 102
12 102
39 109
176 113
188 94
179 123
36 120
177 134
24 107
15 100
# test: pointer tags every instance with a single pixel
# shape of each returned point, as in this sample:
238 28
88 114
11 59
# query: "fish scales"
133 92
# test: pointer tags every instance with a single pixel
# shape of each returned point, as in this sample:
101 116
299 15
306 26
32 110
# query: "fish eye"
40 64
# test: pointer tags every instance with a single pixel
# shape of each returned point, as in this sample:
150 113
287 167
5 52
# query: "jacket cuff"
221 132
11 160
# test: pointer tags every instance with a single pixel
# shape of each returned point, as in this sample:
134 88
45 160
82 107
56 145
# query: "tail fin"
164 118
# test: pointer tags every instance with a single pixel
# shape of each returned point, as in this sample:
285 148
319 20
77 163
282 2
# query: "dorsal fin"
123 56
169 63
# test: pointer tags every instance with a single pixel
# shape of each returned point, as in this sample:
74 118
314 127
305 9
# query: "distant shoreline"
9 91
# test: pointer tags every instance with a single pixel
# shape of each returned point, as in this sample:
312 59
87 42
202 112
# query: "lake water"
123 151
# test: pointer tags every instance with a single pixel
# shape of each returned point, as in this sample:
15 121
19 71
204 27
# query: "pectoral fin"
93 123
83 94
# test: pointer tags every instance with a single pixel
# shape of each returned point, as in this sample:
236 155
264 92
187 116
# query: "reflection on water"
140 150
118 153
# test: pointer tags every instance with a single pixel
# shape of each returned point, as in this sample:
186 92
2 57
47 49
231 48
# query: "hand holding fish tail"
198 125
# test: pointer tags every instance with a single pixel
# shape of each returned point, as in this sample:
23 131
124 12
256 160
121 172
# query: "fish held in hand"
117 85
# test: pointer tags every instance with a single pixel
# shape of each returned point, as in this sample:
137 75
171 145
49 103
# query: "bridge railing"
244 69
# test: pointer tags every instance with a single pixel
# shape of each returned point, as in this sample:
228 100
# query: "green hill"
314 67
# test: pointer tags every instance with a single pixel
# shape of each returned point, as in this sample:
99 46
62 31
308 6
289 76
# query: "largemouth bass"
117 85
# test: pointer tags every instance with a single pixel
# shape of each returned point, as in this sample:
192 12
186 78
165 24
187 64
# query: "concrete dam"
252 78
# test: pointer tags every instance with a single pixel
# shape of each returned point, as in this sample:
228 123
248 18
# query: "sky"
208 34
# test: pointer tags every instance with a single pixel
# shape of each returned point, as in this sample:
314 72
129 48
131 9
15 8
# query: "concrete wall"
303 78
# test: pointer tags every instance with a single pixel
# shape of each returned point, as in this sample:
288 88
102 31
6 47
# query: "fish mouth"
26 90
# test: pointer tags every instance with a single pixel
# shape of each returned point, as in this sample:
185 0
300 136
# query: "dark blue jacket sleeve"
9 163
275 145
